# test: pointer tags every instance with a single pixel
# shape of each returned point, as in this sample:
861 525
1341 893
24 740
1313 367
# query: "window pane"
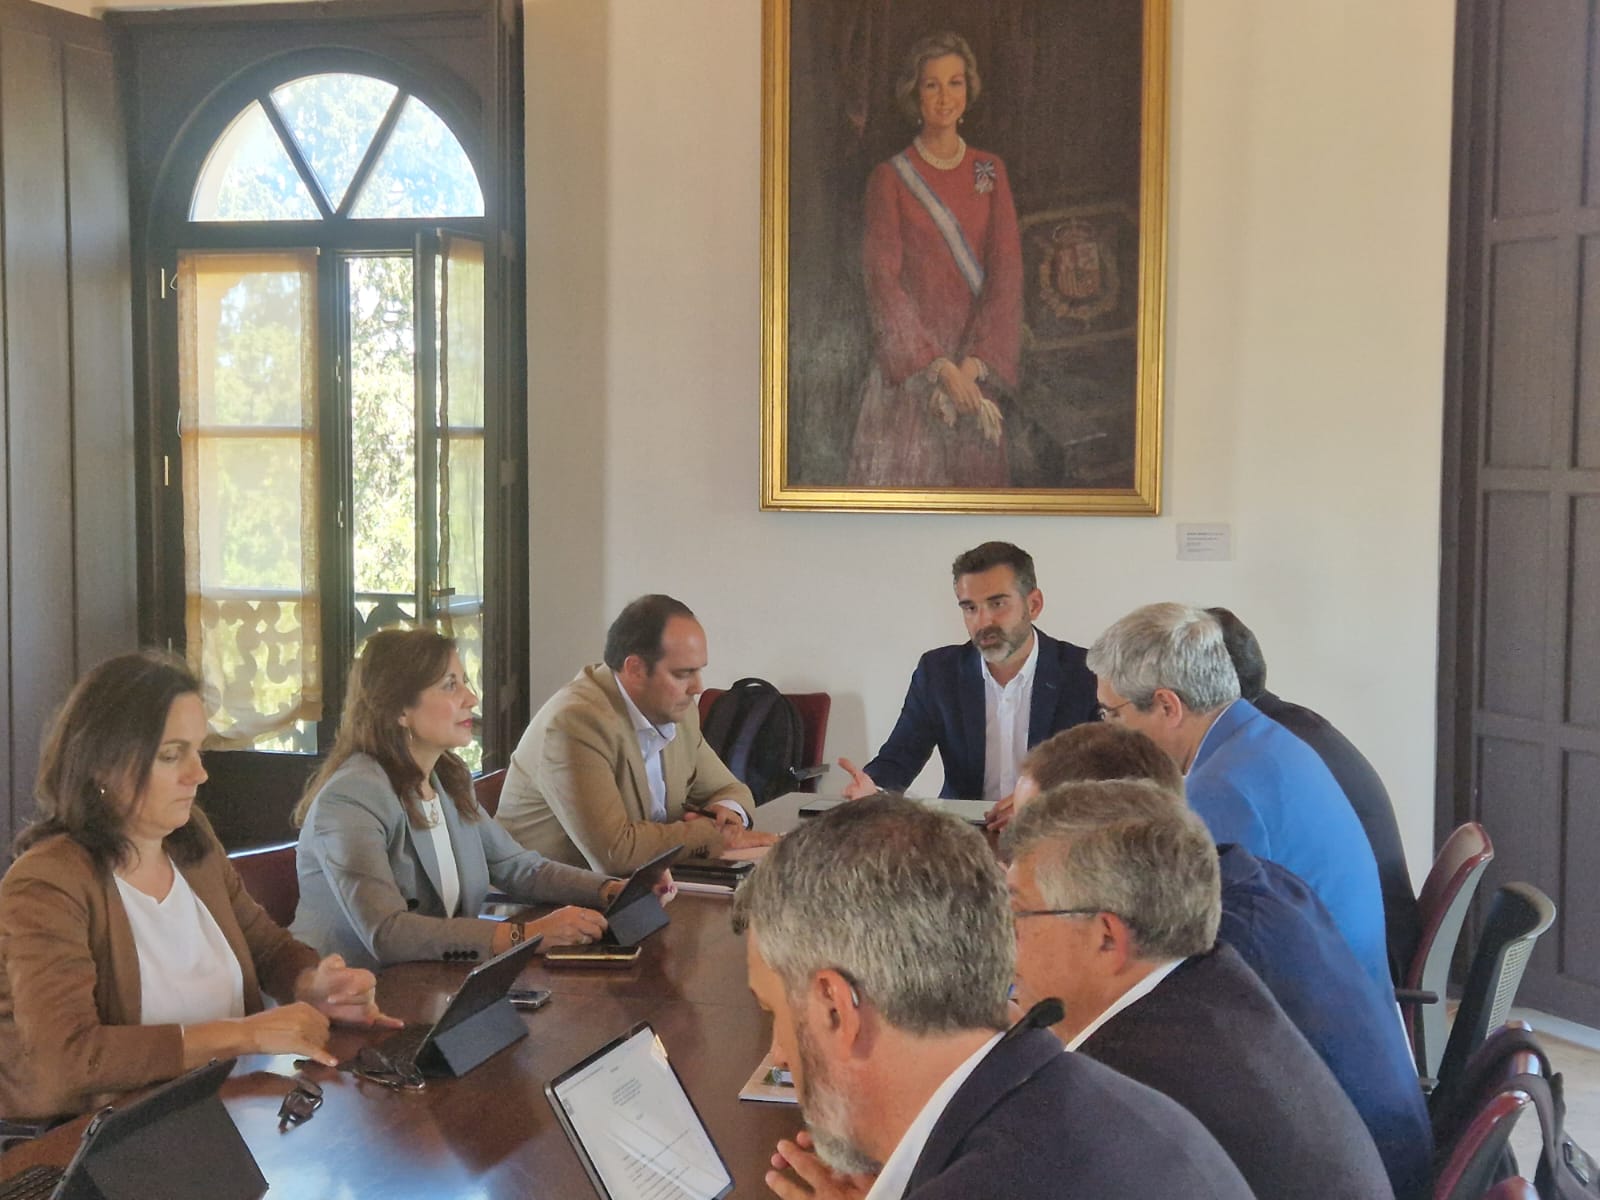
333 118
250 355
248 177
461 332
247 416
383 421
422 172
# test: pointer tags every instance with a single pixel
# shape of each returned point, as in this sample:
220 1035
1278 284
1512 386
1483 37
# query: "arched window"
330 369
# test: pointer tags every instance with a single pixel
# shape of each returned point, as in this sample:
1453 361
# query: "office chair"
1441 908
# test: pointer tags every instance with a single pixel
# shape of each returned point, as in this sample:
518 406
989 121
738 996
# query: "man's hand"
746 839
818 1181
860 784
726 816
1000 815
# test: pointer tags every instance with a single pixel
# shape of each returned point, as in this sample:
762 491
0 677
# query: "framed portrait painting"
964 255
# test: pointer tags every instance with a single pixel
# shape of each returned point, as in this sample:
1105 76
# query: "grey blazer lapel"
422 850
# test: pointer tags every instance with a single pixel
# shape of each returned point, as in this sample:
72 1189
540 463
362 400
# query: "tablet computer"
636 913
637 1133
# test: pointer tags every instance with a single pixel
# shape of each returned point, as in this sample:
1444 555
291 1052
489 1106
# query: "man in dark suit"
1117 897
1356 777
982 704
878 937
1286 936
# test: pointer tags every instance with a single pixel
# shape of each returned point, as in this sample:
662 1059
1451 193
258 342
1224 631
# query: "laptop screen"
635 1127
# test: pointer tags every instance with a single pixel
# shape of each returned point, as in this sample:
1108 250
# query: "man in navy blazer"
1007 689
891 1012
1116 893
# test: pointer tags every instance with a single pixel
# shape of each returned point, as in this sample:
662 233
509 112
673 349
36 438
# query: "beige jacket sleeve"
588 777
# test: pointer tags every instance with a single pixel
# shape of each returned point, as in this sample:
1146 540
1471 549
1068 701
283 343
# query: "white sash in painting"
944 220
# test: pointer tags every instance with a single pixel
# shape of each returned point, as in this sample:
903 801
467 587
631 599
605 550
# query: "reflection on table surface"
492 1133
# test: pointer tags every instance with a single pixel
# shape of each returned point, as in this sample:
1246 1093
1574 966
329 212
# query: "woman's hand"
961 385
571 926
297 1029
348 995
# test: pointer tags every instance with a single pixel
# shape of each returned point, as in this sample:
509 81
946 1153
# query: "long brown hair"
392 671
98 754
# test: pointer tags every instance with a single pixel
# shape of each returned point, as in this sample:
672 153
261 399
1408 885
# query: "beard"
996 645
827 1113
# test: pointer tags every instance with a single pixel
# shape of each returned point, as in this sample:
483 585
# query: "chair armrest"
1415 996
802 774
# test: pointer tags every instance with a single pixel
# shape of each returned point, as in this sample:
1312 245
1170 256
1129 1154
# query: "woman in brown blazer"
129 949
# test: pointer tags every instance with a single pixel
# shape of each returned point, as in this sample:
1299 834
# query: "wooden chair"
268 874
487 789
1441 908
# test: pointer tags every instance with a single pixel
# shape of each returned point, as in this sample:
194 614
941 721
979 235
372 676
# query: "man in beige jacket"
613 768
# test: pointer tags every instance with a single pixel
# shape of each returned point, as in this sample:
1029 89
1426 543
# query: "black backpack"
756 730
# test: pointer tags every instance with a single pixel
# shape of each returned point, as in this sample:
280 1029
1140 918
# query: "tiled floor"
1575 1052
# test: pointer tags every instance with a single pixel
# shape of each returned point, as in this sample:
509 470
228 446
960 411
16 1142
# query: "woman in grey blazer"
395 855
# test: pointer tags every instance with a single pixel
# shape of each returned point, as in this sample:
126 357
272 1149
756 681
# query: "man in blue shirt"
1164 670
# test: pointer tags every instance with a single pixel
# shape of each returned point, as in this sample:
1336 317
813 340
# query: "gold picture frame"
1083 419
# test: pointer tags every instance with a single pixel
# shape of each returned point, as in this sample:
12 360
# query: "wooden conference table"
492 1133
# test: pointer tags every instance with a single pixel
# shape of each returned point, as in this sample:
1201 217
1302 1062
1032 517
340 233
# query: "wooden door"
1519 702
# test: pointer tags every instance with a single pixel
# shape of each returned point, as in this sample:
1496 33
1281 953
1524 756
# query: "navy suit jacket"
1364 789
944 711
1036 1123
1211 1037
1280 928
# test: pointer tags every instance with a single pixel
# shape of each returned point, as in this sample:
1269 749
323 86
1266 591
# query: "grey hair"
1127 847
923 51
1173 646
909 904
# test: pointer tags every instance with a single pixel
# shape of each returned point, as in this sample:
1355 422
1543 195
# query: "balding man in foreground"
1116 894
879 938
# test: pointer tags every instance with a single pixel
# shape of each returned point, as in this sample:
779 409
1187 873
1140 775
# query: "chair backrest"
813 707
1441 908
268 874
486 788
1469 1165
1518 915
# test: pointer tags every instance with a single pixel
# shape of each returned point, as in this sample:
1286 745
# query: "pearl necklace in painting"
943 164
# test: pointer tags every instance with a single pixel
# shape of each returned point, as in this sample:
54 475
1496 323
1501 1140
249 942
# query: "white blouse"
449 876
187 971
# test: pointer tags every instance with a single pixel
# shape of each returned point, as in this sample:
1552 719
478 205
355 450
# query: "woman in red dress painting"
943 267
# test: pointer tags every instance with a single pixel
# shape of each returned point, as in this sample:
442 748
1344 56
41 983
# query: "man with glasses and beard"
879 936
984 703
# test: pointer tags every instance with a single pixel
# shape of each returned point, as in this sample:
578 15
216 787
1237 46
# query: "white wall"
1310 162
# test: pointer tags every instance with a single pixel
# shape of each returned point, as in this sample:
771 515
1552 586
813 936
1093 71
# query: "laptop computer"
477 1021
178 1142
637 1133
636 913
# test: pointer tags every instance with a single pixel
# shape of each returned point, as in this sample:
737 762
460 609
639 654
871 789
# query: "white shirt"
1134 994
896 1173
1005 727
439 832
187 971
653 739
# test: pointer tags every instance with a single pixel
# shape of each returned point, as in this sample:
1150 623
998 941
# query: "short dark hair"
997 554
1245 652
1100 751
103 742
638 629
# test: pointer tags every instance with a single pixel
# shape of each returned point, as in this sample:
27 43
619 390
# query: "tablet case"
479 1021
